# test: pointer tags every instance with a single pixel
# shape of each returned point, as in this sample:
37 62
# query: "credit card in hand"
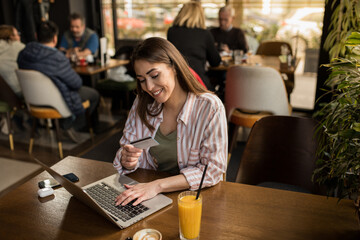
144 143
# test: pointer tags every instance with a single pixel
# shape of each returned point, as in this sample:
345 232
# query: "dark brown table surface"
259 60
230 211
95 69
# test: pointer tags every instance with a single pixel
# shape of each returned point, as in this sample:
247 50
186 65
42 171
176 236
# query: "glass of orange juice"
189 215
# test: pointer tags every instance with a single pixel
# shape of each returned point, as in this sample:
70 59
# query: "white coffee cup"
147 234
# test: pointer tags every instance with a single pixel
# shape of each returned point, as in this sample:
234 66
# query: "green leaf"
348 133
356 126
343 101
342 85
354 35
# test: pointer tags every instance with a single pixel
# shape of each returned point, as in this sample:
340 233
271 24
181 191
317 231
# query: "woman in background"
10 46
190 37
188 121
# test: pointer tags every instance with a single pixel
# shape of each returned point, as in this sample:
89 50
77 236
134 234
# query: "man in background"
226 36
79 40
42 56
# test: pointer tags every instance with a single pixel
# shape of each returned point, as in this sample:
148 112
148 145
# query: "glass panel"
295 21
263 19
139 19
108 25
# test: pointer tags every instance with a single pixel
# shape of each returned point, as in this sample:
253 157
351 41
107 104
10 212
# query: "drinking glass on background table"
249 56
238 56
189 215
73 57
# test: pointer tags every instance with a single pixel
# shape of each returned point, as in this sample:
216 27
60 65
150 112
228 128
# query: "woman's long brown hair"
159 50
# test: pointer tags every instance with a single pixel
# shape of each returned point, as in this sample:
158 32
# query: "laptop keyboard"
105 196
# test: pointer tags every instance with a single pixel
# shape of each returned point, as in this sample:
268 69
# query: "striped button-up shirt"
201 139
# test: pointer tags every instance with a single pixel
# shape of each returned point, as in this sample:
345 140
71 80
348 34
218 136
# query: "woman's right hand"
130 156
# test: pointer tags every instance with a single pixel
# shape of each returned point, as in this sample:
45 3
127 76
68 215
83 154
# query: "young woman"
190 37
174 108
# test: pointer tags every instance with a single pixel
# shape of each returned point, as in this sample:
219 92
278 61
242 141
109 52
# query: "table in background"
259 60
230 211
94 70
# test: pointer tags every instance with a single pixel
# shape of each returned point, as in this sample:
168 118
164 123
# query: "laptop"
100 196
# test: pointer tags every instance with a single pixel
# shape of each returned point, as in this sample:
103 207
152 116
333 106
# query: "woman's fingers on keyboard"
126 196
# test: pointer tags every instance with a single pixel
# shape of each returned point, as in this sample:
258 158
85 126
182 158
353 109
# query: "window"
299 22
140 19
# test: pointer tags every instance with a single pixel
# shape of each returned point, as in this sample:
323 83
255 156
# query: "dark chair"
280 153
120 92
9 103
273 48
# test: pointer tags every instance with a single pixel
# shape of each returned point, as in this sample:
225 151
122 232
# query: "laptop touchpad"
126 180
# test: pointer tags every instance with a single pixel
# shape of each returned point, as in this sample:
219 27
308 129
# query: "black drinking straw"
201 182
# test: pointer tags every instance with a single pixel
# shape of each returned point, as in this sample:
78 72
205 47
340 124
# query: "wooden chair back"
280 149
272 48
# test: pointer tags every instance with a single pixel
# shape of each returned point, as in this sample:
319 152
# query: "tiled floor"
303 95
13 171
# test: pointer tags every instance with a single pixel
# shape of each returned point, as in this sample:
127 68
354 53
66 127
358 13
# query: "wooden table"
94 70
259 60
230 211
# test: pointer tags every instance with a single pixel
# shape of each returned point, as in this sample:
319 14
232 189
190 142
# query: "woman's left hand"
141 192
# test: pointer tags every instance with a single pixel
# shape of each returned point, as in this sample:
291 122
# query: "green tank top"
165 154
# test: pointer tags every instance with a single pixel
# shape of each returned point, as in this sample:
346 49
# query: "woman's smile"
155 94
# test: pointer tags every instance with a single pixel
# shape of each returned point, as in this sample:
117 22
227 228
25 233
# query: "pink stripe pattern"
201 139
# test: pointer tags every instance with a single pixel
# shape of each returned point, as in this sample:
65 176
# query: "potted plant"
345 19
338 167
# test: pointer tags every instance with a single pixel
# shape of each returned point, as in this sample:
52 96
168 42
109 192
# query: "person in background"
190 37
42 56
226 36
10 46
188 121
80 40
